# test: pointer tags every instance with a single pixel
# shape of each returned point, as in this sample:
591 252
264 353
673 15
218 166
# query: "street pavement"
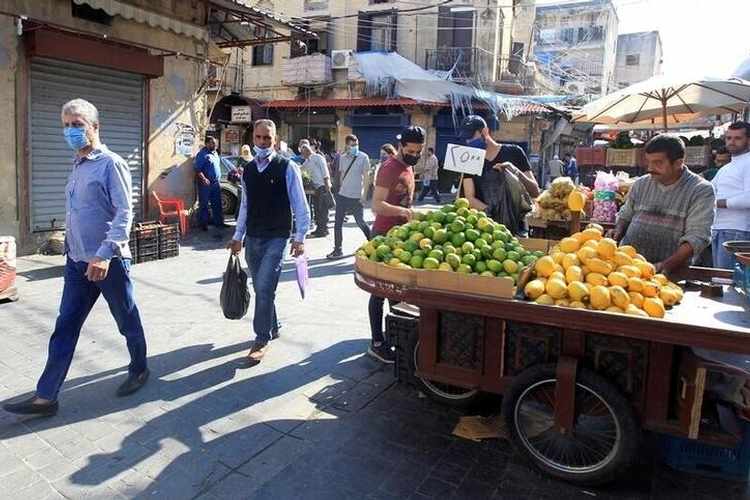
317 419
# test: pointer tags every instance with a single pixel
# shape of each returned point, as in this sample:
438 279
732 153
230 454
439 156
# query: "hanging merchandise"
605 193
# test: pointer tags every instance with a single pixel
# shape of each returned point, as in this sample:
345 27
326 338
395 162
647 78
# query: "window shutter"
364 32
394 32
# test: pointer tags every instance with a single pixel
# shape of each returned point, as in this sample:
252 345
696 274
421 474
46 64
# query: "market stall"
580 380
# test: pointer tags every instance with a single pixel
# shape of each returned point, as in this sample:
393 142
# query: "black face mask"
411 160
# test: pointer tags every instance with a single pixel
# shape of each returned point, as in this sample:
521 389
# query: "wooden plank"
565 390
573 343
658 382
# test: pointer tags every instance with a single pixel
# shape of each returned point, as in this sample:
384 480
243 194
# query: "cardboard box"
537 244
624 157
465 283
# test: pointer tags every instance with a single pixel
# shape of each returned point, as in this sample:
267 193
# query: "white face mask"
262 152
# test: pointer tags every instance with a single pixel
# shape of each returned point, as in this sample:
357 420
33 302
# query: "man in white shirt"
317 167
353 168
430 177
732 188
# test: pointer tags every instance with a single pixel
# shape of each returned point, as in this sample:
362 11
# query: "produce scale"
586 343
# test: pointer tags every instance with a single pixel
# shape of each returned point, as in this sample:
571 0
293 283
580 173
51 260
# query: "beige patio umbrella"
669 100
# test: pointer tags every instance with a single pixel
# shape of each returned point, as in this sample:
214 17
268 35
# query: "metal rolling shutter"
374 130
119 98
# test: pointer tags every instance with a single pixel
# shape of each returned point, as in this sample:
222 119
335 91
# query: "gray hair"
82 108
266 123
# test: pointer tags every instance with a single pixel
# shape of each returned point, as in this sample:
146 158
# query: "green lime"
410 245
438 217
457 226
438 255
499 254
458 239
402 234
449 218
472 234
423 225
481 243
378 240
499 235
453 259
448 208
512 255
472 219
463 211
498 244
430 263
484 224
494 265
440 236
383 250
425 244
464 269
467 247
489 274
538 254
510 266
487 252
429 232
416 261
449 248
528 259
487 237
477 253
416 236
461 203
419 253
480 267
405 256
469 259
418 215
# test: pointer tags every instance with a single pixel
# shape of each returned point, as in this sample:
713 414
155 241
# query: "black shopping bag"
235 296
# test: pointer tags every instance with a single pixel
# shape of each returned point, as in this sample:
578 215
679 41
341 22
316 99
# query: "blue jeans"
722 258
265 257
210 194
79 296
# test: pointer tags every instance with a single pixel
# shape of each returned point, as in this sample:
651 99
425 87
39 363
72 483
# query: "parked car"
231 191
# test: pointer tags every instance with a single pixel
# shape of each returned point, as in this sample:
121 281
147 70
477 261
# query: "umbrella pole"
664 114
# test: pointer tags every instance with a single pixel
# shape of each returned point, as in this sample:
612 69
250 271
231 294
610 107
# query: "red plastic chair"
173 207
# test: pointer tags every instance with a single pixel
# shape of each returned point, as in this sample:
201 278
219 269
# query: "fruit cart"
579 386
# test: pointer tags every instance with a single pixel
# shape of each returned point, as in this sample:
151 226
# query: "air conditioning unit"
340 59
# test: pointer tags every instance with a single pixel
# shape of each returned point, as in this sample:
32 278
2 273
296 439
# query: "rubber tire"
631 430
228 202
439 398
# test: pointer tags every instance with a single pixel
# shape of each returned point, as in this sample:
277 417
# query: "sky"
711 37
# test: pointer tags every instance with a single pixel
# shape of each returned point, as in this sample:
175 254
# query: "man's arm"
300 209
239 231
697 230
382 207
739 201
470 194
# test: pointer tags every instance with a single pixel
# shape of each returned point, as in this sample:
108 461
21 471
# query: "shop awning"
115 8
348 103
231 24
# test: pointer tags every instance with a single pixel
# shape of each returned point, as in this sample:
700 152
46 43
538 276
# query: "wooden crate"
625 157
698 156
591 156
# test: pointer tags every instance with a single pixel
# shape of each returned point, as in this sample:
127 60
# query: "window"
85 11
263 55
632 60
568 35
377 32
597 33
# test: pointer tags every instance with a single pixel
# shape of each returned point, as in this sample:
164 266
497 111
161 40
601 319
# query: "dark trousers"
344 206
79 296
321 211
431 188
210 195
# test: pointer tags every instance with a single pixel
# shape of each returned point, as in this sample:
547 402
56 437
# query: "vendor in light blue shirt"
99 213
207 166
272 194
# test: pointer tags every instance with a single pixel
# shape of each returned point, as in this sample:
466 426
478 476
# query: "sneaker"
382 352
336 254
31 406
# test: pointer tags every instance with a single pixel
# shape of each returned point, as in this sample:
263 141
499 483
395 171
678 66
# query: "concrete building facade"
639 57
575 45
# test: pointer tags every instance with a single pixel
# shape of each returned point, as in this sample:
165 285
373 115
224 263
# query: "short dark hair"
351 138
741 125
210 138
414 135
431 150
671 145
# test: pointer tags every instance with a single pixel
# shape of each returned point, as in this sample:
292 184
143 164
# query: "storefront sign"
241 114
464 159
231 135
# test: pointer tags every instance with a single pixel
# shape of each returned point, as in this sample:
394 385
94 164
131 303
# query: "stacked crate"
153 241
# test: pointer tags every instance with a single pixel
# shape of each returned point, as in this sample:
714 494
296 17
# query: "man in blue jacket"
207 167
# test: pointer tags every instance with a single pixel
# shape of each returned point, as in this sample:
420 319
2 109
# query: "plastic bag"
235 296
605 206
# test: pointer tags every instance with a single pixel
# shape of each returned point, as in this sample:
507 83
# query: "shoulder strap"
349 168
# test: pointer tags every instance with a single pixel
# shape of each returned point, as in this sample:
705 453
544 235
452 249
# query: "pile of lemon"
589 271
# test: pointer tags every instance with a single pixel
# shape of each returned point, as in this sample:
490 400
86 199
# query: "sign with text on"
241 114
464 159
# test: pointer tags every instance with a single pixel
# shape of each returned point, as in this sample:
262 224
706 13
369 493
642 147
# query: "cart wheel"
603 441
446 394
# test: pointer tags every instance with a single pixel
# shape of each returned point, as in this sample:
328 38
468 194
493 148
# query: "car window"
228 163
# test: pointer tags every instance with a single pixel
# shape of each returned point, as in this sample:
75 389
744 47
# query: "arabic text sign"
464 159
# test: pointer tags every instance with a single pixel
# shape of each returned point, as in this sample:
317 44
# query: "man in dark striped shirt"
668 213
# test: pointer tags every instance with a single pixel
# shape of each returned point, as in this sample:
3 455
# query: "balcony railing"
476 65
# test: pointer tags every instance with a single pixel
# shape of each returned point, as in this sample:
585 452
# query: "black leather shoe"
29 407
133 383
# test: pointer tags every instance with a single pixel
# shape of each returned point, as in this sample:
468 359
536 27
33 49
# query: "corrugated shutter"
119 98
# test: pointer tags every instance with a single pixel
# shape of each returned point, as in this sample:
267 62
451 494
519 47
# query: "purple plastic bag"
300 264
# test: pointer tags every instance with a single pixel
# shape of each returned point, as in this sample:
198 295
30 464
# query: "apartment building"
639 57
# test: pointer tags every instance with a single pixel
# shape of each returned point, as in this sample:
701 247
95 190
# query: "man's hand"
612 233
298 248
97 269
234 246
407 213
486 133
506 165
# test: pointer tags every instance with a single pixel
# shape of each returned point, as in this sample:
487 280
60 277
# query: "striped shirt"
661 218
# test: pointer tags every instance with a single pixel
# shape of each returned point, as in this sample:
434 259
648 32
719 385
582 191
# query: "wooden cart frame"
651 346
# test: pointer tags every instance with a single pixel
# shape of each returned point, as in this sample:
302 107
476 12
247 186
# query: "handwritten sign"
464 159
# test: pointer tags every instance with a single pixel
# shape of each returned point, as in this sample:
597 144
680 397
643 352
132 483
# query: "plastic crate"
591 156
692 456
402 333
